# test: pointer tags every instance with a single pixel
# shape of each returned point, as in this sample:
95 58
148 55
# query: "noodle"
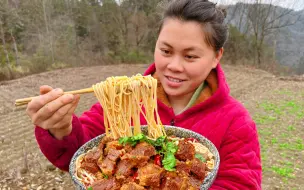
123 99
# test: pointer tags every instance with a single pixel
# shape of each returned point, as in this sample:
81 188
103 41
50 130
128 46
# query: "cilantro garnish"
132 140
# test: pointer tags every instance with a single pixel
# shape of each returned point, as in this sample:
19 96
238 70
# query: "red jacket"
215 115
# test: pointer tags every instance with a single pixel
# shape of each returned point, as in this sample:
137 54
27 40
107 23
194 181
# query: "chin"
173 93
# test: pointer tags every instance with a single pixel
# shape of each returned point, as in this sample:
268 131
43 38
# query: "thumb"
45 89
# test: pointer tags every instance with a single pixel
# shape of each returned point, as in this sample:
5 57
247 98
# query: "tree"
300 68
267 18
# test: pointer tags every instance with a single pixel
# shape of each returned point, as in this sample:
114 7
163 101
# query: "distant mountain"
289 40
290 44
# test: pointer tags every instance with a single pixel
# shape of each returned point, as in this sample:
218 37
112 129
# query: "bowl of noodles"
132 156
182 159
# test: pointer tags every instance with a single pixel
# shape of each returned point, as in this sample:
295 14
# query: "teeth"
174 80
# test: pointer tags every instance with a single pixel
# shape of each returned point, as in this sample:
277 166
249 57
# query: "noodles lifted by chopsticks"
123 99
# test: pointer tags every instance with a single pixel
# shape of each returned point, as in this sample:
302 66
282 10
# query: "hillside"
289 39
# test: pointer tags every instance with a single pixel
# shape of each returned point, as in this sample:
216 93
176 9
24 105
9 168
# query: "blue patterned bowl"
170 131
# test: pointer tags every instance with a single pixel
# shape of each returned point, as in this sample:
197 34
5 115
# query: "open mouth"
174 79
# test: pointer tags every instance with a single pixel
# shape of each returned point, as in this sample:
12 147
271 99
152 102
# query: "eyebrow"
187 49
166 44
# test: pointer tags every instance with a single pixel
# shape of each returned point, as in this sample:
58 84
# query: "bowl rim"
192 133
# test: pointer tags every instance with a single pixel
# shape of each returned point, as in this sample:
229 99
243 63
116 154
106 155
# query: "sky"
292 4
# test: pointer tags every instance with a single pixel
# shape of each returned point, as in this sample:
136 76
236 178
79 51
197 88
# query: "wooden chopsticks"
25 101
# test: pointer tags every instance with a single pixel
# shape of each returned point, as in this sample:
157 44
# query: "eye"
165 51
190 57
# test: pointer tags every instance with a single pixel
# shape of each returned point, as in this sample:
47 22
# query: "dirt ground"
276 105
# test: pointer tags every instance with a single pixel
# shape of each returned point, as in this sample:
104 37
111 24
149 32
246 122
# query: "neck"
178 103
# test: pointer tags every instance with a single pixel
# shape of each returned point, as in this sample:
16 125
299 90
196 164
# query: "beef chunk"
124 168
114 154
93 155
198 168
138 160
128 162
185 151
132 186
150 175
143 149
174 181
106 184
183 167
107 166
112 145
90 167
97 154
128 148
104 141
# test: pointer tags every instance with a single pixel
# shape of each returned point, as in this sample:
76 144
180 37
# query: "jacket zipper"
172 122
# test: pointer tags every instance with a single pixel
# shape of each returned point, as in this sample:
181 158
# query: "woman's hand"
53 111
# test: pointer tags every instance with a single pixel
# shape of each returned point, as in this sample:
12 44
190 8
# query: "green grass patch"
283 154
264 119
284 171
296 146
300 115
274 111
274 141
264 131
291 128
271 108
284 135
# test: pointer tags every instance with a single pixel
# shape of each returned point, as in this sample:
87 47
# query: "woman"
192 93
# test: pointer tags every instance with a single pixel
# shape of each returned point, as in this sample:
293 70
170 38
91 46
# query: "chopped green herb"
90 188
139 137
159 141
169 161
132 140
171 147
200 157
105 176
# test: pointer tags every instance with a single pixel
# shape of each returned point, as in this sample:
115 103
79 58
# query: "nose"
176 64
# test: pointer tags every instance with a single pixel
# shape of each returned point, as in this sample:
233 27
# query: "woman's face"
183 59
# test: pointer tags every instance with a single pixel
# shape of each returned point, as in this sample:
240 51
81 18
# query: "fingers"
68 116
45 89
58 107
52 109
62 116
38 102
64 123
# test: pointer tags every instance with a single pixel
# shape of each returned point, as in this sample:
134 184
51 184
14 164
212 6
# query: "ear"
218 57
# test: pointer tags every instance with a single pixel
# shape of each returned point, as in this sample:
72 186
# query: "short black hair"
204 12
